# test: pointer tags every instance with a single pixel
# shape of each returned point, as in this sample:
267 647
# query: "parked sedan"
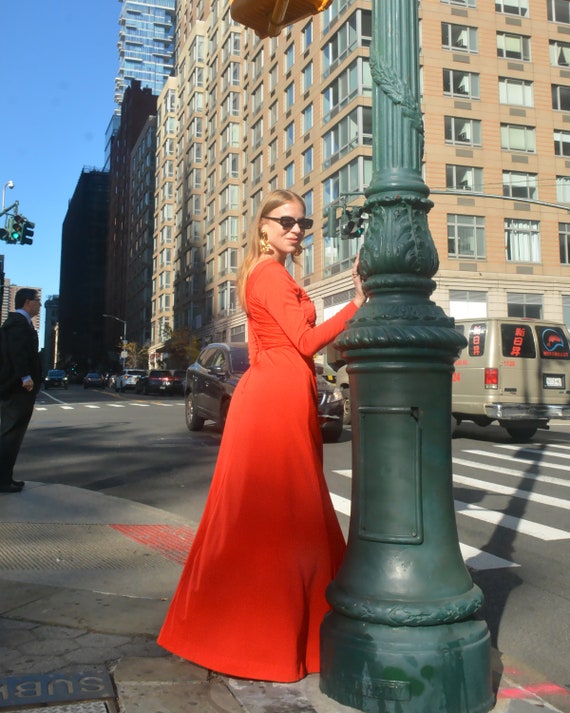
56 377
211 380
157 381
93 380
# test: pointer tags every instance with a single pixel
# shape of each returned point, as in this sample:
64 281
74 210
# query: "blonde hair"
273 200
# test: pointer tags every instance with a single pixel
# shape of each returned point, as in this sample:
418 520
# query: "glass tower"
146 44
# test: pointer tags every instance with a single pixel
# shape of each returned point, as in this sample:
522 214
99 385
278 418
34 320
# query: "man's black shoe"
19 483
11 488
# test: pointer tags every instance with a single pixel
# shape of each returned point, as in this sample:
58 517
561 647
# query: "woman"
251 598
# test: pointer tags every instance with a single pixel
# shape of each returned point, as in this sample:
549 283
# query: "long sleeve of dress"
282 298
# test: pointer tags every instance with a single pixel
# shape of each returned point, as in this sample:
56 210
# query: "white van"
514 371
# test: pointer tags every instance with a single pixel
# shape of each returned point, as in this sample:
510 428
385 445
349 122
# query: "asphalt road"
511 499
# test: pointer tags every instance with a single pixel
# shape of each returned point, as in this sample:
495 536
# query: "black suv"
210 383
211 380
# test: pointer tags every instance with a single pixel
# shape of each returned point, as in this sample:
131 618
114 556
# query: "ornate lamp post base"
381 669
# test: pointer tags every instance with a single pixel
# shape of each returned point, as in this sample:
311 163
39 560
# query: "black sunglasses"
287 222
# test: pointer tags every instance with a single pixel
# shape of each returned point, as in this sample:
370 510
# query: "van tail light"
491 378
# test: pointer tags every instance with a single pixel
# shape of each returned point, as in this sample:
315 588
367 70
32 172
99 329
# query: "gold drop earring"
264 243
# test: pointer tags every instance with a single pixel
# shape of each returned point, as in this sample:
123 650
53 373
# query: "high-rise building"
162 322
138 105
146 44
82 276
254 115
296 112
9 301
496 98
140 234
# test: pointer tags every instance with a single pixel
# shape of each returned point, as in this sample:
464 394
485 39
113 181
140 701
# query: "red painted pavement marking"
172 542
538 689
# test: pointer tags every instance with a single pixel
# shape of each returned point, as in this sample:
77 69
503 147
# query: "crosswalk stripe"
535 451
341 504
474 558
511 471
479 559
528 461
68 407
526 527
512 492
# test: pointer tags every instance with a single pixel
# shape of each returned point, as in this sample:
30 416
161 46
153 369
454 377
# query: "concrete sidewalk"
86 581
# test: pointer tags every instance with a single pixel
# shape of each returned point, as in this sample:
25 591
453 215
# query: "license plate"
553 381
163 387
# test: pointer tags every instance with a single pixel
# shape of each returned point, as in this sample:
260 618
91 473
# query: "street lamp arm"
124 322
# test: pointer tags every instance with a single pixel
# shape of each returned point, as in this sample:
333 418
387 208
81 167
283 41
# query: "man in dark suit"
18 395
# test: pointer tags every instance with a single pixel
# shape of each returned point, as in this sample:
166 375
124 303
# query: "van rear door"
520 380
554 359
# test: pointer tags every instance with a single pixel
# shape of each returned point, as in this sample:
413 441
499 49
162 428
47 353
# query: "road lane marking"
341 504
528 461
512 492
479 559
525 527
511 471
53 398
536 451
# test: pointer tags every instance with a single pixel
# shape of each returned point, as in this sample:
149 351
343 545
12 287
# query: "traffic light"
332 222
28 232
348 224
15 228
353 223
4 234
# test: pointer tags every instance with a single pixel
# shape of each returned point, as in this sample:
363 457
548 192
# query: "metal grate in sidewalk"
85 707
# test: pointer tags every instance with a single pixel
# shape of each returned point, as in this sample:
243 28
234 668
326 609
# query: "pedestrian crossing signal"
268 17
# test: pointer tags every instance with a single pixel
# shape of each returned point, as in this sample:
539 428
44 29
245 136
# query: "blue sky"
59 63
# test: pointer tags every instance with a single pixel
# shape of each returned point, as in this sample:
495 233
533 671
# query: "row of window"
512 46
518 92
515 184
473 303
466 239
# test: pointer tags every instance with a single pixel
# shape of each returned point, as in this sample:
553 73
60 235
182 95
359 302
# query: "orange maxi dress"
251 597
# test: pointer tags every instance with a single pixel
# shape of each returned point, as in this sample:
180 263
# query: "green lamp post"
403 634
